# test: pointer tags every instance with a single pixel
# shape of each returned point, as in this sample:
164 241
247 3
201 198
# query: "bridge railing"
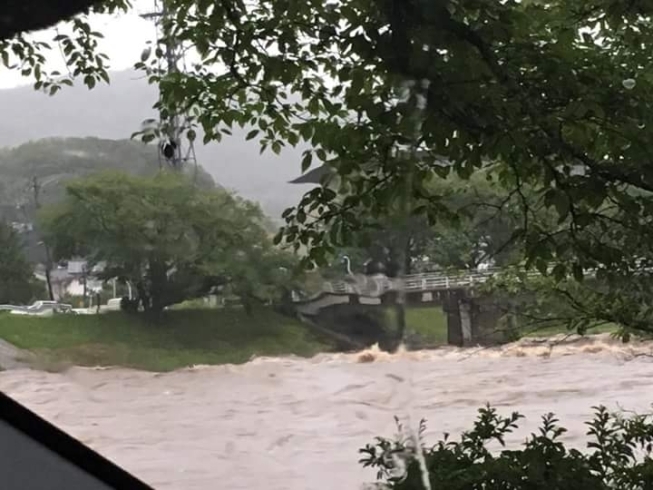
433 281
437 281
375 286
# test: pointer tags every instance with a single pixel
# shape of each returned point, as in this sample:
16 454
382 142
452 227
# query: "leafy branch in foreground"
554 97
544 301
330 75
619 457
73 40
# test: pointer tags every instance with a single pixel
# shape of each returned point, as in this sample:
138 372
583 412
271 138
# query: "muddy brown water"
297 424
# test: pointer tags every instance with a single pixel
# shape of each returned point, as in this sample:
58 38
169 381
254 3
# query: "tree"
76 41
17 282
478 227
43 14
480 224
554 94
169 239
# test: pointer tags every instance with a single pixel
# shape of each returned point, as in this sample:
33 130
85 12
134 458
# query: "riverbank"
181 338
189 337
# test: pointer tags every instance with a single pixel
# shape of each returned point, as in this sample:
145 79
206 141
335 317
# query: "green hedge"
618 456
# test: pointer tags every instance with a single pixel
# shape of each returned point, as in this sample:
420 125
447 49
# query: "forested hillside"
39 170
51 162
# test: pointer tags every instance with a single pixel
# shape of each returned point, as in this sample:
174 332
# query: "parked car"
112 305
42 308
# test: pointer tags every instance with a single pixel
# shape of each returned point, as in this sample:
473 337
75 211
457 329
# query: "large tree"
169 239
555 93
478 227
17 282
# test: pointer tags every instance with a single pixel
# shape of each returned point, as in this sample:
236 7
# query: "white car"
42 308
112 305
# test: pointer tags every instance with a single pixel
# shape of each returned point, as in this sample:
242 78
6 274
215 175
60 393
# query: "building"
72 279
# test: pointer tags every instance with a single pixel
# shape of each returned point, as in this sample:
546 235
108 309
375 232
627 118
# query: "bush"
128 305
618 457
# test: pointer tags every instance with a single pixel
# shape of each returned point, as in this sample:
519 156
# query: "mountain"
51 162
42 168
116 110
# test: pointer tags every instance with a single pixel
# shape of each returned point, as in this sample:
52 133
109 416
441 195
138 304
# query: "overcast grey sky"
124 37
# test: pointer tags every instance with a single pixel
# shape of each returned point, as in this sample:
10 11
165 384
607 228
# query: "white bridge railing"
377 285
380 284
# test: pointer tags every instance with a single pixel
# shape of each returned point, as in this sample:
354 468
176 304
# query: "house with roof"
72 278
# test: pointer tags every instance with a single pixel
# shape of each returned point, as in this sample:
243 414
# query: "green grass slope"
181 338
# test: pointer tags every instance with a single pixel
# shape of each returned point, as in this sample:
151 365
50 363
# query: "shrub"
618 457
128 305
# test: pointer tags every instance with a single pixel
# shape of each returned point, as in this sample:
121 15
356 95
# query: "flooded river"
297 424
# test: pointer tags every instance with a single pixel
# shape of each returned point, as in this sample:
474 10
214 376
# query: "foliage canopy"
619 456
552 96
169 239
17 283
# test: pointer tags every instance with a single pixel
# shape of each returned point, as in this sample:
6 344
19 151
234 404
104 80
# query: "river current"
297 424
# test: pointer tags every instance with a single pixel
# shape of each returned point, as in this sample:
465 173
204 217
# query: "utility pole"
36 190
174 148
416 102
85 287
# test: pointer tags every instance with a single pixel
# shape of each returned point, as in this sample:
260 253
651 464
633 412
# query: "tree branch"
20 16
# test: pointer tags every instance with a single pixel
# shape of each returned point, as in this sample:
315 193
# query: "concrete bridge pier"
472 320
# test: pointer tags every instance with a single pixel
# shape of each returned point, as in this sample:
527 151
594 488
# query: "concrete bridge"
471 318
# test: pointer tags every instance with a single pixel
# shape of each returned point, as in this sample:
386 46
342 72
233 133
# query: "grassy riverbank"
194 336
182 338
430 324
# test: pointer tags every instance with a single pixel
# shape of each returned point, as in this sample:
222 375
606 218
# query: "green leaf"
89 81
252 134
306 161
306 131
145 54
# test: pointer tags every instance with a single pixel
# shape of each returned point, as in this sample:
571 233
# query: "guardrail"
376 286
426 282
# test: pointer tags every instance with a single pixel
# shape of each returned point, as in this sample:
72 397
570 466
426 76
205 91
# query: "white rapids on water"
297 424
